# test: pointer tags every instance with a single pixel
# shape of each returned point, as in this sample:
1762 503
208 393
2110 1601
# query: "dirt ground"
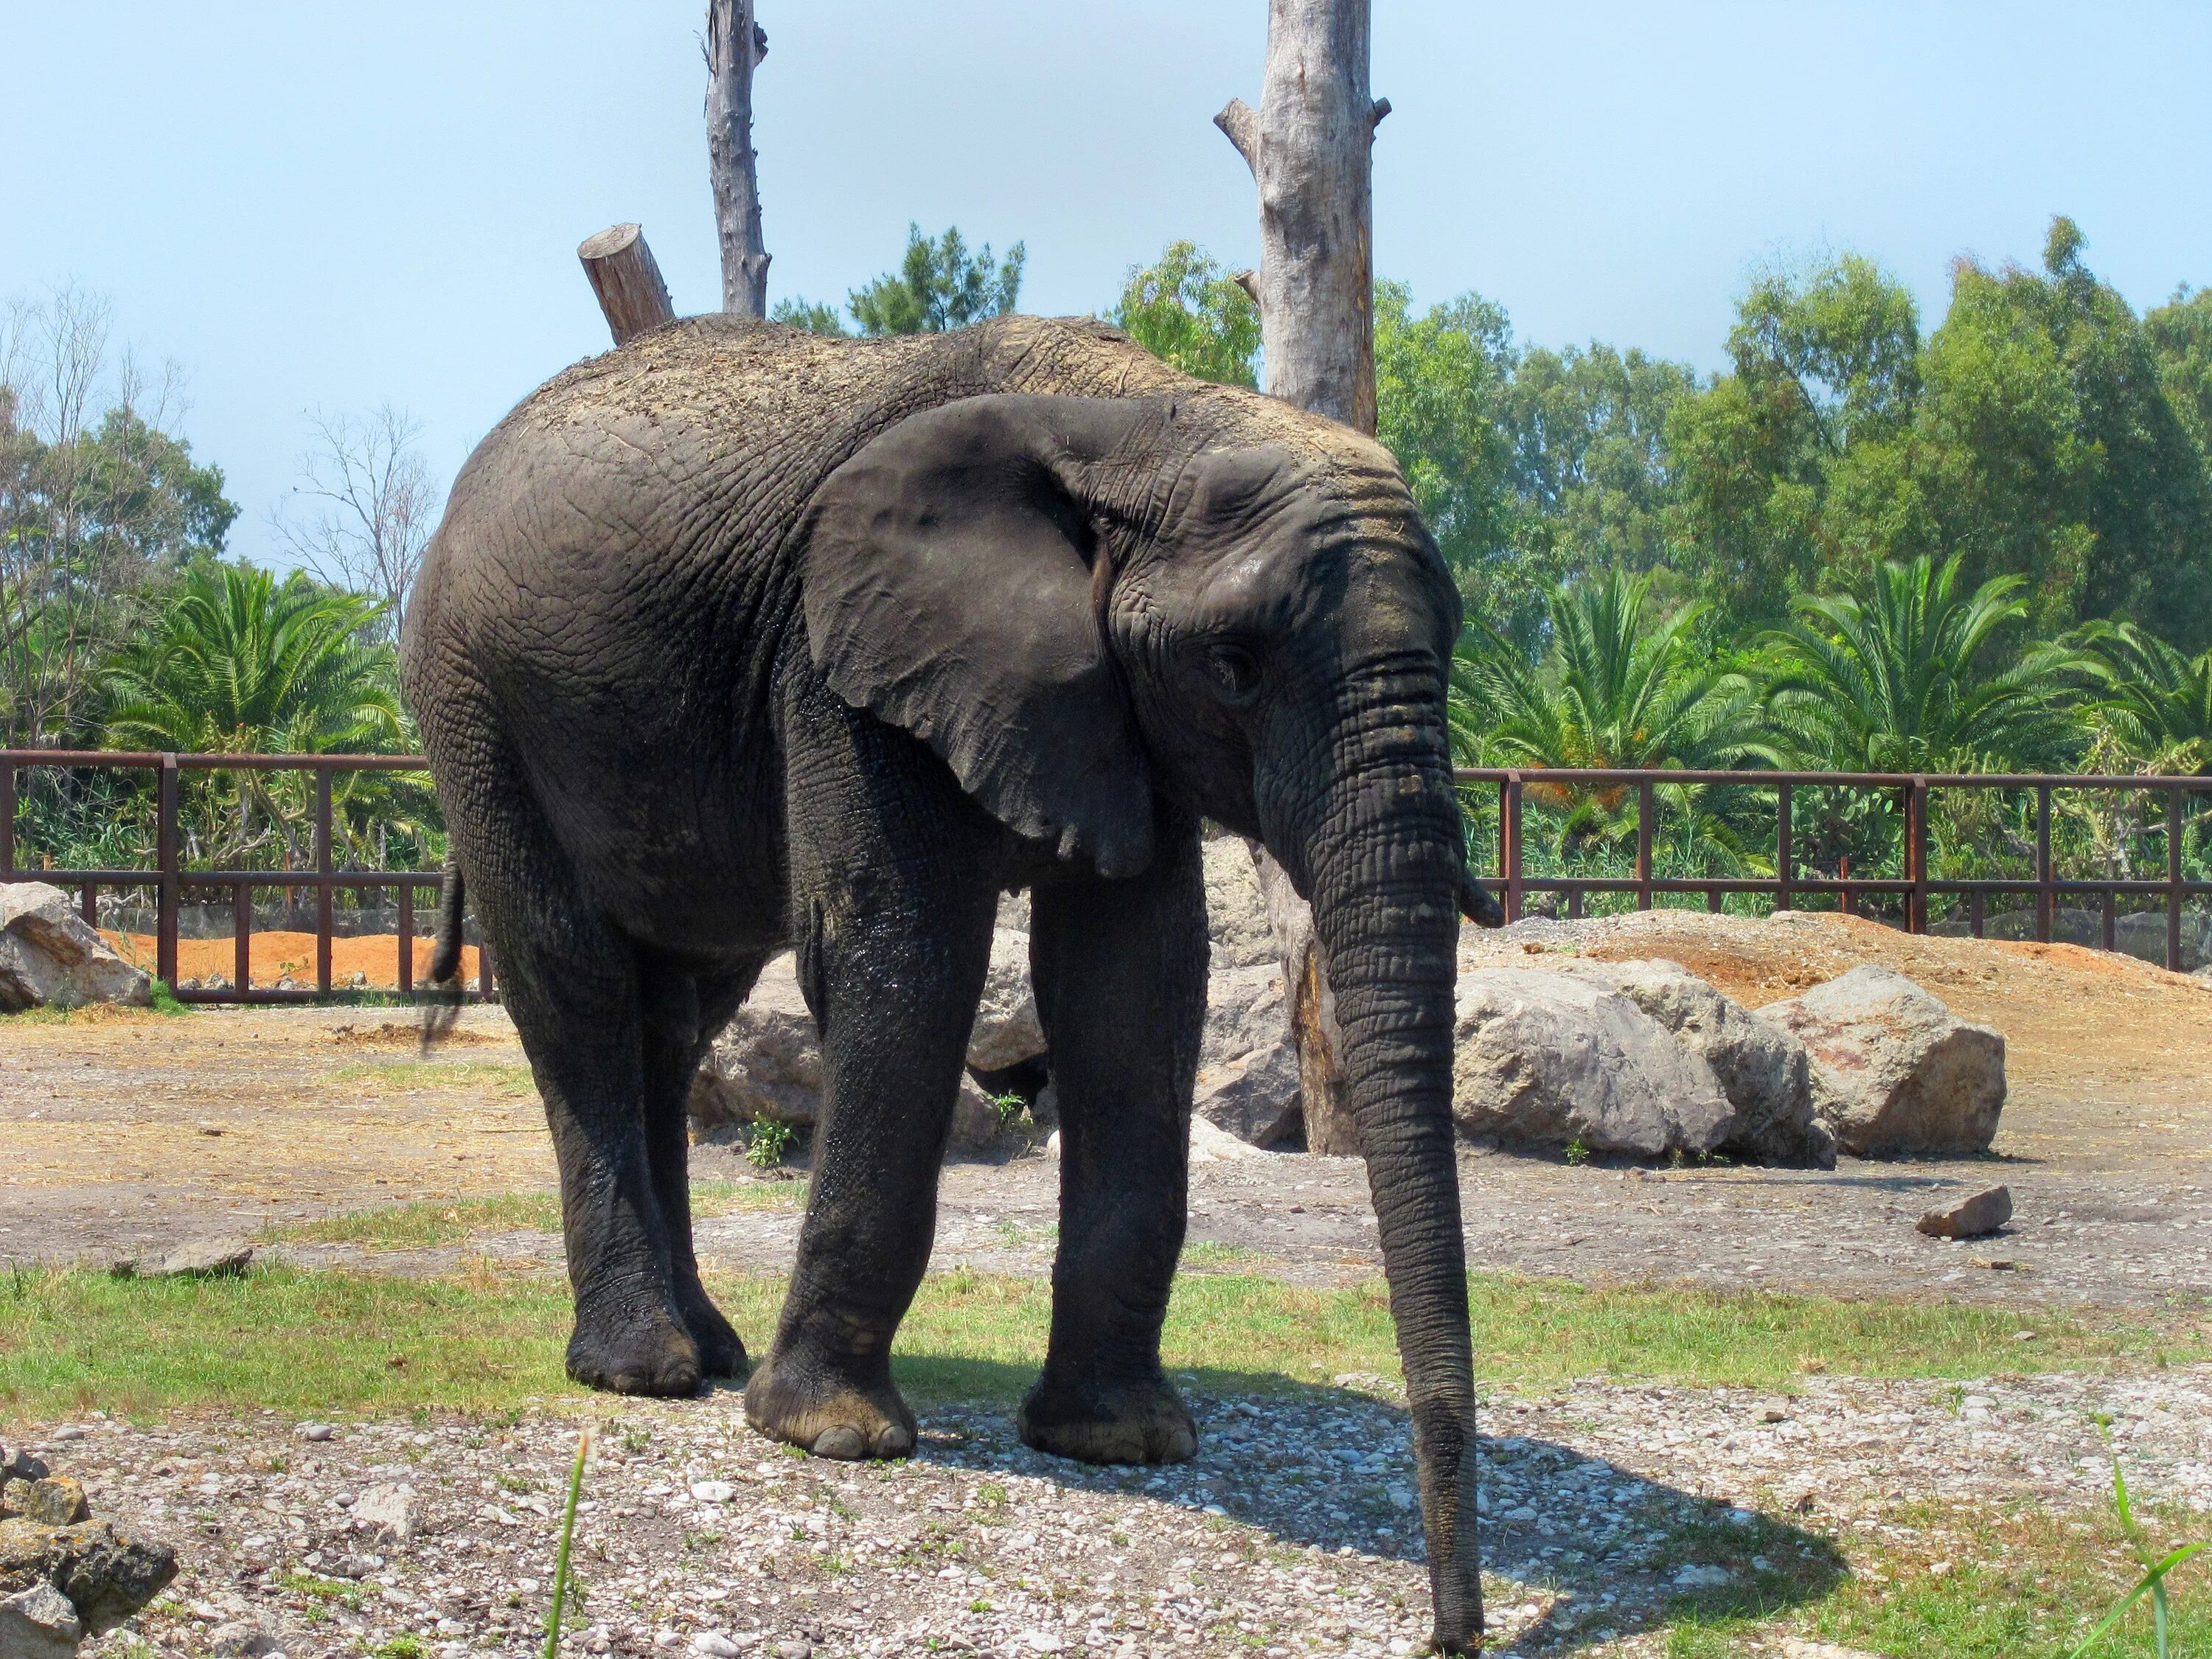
370 959
134 1130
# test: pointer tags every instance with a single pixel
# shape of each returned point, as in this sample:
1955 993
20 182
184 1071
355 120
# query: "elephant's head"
1084 604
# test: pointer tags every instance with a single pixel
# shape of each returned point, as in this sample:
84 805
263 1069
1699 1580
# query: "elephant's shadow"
1332 1467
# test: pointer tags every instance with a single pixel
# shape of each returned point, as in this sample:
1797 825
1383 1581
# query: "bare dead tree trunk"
735 44
1308 145
626 280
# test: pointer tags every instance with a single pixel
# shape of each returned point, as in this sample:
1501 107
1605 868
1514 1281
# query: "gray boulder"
39 1623
49 958
1555 1059
1235 913
1253 1097
1245 1010
1007 1031
1893 1070
766 1063
1762 1068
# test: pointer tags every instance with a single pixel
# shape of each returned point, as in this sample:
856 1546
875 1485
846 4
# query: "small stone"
57 1501
316 1432
241 1638
39 1623
1773 1414
23 1466
713 1491
1976 1216
794 1650
393 1510
1699 1576
71 1431
208 1258
712 1644
1045 1641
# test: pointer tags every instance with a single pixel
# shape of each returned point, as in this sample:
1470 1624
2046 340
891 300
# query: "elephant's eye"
1233 670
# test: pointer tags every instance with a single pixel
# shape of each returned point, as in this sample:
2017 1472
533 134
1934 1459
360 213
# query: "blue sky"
309 205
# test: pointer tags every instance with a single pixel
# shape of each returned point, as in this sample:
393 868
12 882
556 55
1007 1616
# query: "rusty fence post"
1784 858
406 937
2173 891
241 926
2043 891
168 890
1916 854
323 878
1509 843
1646 811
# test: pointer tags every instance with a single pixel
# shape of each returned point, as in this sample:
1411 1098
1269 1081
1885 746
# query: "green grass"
513 1082
436 1223
309 1341
2012 1582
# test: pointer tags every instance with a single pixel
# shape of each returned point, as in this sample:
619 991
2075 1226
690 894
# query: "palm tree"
1614 688
1897 678
2152 704
240 662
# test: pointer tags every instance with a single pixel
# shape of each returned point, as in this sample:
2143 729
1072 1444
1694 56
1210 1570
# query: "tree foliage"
1186 310
938 285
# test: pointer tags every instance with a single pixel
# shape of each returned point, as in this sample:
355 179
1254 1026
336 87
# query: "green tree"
938 285
1619 685
2151 704
1440 381
1589 467
809 314
238 661
1790 470
2052 449
1905 673
1187 311
95 513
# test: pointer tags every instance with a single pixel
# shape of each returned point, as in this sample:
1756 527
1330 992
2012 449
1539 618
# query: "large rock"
766 1063
1253 1097
1245 1010
39 1623
106 1575
1007 1031
49 958
1893 1070
1555 1059
1762 1068
1236 915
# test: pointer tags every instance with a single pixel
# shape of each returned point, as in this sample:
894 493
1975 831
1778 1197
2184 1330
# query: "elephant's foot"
1140 1422
810 1406
647 1354
721 1353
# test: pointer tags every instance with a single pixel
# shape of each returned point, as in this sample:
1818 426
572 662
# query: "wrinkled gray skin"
737 638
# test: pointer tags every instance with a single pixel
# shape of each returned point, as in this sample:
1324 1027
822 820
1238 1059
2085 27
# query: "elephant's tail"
443 1006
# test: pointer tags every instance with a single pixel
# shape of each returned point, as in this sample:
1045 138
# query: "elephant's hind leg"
1119 969
571 983
683 1012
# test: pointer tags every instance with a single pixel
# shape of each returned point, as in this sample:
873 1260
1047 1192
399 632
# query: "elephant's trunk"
1383 865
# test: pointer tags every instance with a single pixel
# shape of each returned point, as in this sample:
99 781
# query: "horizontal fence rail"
169 880
1911 889
1914 887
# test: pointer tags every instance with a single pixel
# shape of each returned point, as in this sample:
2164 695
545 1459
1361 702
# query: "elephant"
738 638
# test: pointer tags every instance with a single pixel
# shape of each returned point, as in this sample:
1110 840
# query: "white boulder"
49 957
1893 1069
766 1062
1007 1031
1554 1059
1235 913
1253 1097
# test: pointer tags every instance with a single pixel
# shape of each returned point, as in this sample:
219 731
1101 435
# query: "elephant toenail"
896 1440
840 1442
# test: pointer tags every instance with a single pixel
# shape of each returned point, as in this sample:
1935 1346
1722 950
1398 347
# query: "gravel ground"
1288 1536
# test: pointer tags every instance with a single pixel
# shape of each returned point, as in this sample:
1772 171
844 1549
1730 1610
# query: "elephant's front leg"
893 942
1119 969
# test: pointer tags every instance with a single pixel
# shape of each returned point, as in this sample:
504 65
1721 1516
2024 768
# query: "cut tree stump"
632 297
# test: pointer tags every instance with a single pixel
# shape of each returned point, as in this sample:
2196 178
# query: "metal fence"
1913 887
170 881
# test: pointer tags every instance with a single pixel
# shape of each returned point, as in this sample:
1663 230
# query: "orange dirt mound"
279 954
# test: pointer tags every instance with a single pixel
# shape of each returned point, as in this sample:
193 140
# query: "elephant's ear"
949 589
